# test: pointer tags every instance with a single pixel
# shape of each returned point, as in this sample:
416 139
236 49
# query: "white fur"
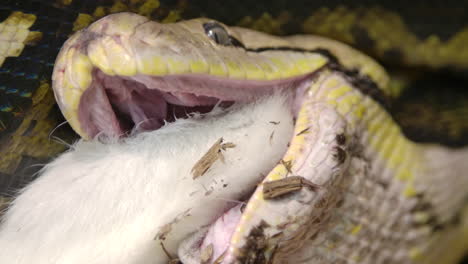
104 203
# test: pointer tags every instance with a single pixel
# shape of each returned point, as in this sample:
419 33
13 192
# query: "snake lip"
115 106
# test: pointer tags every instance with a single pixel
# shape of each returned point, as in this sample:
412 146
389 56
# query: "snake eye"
217 33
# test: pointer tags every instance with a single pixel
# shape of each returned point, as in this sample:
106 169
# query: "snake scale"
366 193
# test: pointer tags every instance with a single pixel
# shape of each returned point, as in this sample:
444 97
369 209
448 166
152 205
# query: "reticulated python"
350 187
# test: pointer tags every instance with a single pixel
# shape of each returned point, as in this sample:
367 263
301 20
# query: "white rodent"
104 203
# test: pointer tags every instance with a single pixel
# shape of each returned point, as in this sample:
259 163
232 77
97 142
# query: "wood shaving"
278 188
211 156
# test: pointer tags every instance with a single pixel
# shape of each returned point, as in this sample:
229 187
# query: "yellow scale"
15 34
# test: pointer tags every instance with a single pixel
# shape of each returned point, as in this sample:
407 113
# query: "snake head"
125 73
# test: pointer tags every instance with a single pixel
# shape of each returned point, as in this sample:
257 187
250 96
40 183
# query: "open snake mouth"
115 105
